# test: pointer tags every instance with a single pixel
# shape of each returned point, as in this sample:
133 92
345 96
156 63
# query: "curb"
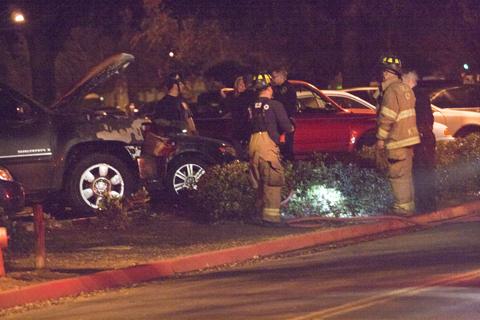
169 267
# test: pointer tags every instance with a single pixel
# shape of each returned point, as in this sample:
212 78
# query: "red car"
321 125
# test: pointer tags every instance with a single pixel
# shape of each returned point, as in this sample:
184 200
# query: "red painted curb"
165 268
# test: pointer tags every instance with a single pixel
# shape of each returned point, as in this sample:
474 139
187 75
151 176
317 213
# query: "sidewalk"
222 244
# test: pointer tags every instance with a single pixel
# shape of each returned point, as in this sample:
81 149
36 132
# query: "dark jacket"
287 95
168 108
276 119
238 107
424 115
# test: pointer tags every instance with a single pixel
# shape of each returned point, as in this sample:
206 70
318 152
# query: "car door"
26 140
319 125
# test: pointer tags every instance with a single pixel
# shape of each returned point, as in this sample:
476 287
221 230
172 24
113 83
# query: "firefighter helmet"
262 81
391 63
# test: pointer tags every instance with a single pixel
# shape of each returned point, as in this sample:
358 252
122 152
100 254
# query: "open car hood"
96 76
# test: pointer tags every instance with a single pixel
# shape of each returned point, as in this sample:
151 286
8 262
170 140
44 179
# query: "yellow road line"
381 298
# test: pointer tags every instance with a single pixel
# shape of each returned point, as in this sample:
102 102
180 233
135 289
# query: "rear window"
458 97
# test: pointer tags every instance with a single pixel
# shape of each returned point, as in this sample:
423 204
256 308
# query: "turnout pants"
400 176
266 175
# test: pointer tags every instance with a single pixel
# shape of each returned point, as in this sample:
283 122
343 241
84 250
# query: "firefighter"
397 133
172 111
284 92
268 120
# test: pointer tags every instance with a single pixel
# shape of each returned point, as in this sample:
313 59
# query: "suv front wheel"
183 175
96 176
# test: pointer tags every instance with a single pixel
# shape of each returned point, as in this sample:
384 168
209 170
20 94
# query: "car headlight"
227 149
5 174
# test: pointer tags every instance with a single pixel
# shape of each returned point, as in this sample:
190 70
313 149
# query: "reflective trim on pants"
271 214
404 207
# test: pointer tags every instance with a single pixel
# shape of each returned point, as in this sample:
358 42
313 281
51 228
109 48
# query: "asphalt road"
429 274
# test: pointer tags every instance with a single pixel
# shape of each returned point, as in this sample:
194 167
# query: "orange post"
39 223
3 244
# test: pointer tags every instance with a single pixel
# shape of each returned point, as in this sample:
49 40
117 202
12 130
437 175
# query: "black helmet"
262 81
391 63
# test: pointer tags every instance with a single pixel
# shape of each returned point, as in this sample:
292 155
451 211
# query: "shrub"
117 213
318 187
338 189
458 165
225 193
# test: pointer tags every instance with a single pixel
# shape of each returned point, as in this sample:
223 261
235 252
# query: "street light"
17 17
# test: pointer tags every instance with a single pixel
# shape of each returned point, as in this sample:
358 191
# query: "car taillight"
447 132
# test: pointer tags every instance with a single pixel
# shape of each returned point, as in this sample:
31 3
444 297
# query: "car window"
13 109
209 105
458 97
367 95
309 101
348 103
472 96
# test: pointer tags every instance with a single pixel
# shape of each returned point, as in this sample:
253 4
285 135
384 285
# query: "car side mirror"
23 112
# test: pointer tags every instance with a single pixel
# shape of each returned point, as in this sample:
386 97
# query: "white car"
350 101
460 123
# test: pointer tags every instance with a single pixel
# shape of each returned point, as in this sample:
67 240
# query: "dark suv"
68 153
73 155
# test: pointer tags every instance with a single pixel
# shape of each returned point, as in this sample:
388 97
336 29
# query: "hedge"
316 188
334 186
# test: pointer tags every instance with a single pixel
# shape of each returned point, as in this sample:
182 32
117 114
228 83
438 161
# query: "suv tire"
183 175
95 174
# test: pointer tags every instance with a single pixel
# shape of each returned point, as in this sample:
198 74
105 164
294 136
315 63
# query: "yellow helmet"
262 81
391 63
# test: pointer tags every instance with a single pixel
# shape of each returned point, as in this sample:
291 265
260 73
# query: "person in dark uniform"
268 120
237 104
424 152
172 111
284 92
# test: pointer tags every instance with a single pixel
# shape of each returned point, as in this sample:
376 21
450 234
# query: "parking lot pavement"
233 253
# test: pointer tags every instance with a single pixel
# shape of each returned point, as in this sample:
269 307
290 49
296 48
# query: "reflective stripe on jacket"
396 119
